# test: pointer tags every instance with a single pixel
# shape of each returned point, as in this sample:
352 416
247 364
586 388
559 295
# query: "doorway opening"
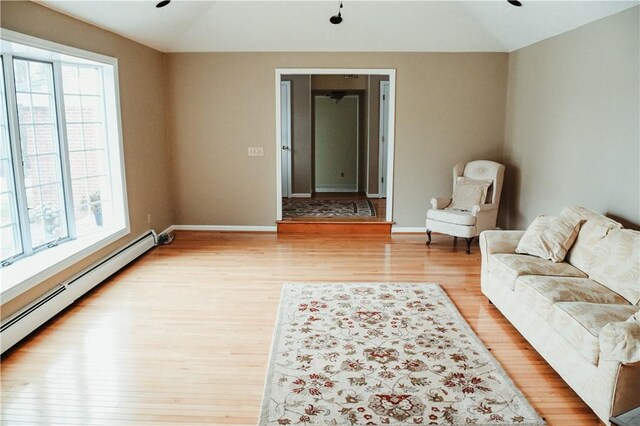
334 131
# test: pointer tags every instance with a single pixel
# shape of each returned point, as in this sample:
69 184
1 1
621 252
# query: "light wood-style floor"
183 334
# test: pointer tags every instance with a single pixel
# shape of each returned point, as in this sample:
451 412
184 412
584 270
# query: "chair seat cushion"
508 267
452 216
580 324
540 293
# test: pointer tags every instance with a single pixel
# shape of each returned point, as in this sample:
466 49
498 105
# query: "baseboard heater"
25 321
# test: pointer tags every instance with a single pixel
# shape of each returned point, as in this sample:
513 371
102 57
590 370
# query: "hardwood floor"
183 334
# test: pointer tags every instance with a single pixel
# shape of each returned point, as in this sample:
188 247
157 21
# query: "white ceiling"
408 26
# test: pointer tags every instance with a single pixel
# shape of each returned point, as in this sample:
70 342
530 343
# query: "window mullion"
16 153
64 150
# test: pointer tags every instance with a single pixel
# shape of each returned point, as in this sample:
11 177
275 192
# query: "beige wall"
301 168
141 74
572 124
450 107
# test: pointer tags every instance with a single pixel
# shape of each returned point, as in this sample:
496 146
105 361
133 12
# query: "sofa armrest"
440 203
620 341
497 241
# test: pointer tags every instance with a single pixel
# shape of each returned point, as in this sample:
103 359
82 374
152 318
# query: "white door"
285 114
384 138
336 144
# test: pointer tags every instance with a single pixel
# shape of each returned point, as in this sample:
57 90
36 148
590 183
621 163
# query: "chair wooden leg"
469 240
428 237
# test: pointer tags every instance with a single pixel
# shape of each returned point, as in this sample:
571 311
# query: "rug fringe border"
266 392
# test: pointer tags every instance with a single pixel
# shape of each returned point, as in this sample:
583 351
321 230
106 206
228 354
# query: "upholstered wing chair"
471 221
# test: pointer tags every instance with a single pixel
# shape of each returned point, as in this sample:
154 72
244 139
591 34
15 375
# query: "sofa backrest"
592 233
617 263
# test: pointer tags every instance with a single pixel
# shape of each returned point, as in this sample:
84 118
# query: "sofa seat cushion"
508 267
580 324
540 293
452 216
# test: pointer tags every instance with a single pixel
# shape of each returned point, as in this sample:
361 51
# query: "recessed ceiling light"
163 3
515 3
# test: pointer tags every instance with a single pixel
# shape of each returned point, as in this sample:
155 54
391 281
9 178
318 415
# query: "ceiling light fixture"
336 95
163 3
514 3
336 19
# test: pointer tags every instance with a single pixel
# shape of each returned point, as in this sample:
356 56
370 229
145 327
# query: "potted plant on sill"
96 206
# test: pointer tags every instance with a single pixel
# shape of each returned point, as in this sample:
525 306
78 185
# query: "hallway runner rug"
383 353
305 207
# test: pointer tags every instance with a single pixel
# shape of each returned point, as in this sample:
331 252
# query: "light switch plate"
256 151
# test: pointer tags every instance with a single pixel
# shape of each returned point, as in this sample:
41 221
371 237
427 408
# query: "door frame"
286 141
390 72
382 156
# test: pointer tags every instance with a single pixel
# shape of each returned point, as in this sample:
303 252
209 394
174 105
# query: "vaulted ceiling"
406 26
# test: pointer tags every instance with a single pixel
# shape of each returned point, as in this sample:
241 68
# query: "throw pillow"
550 237
617 263
469 192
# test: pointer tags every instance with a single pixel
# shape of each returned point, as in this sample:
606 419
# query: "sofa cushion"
617 263
452 216
620 341
508 267
541 293
550 237
596 227
580 324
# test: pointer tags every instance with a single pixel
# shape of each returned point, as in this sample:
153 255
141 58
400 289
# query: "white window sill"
27 273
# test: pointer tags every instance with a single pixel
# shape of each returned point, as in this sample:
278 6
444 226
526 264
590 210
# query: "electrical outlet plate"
256 151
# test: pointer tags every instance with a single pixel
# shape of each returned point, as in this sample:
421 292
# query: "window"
9 225
61 175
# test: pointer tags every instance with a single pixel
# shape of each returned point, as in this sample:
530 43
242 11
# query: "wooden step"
333 227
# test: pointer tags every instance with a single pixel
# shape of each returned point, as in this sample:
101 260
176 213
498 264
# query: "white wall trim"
301 195
228 228
169 229
373 195
336 188
408 229
41 43
36 313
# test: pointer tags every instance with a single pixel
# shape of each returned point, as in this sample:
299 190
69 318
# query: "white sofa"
586 331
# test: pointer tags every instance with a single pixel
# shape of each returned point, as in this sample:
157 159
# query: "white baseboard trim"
22 323
168 230
373 195
336 188
408 230
227 228
300 195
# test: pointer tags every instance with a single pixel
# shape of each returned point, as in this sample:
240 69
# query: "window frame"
30 267
28 249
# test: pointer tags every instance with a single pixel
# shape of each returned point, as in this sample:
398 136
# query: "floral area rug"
383 353
306 207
